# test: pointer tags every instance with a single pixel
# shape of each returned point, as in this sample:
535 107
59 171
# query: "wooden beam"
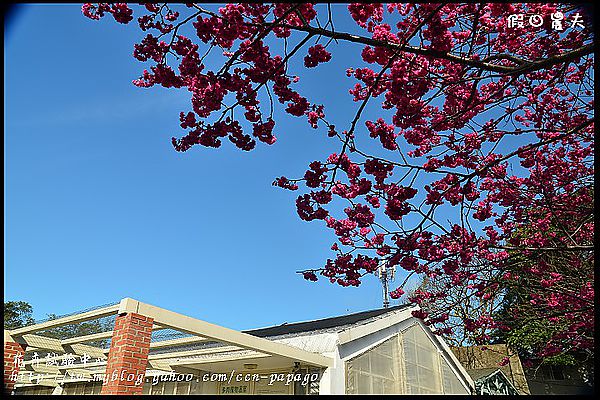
202 328
99 336
191 353
8 337
58 359
43 368
88 338
159 365
94 364
179 342
41 342
71 319
82 349
78 373
185 370
47 382
359 331
233 357
37 342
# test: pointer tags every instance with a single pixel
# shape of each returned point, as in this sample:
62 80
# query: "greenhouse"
149 350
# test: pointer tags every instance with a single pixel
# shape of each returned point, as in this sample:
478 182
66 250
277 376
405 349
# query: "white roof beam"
359 331
71 319
38 343
88 338
159 365
202 328
41 342
189 353
82 349
179 342
233 357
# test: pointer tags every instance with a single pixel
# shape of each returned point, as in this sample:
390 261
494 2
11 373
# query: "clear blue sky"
99 206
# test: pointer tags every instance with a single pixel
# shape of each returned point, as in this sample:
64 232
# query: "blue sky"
99 206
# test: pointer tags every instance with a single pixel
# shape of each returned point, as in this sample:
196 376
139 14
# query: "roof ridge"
323 323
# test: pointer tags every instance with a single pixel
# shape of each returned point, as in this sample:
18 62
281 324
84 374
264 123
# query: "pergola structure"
134 352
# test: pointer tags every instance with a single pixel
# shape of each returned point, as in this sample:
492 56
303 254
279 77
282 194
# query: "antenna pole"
385 276
384 280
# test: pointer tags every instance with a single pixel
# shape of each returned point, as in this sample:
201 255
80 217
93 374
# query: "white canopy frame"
246 345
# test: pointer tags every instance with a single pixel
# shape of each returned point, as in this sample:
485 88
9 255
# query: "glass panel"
390 387
376 371
79 388
378 385
308 386
364 383
195 387
182 388
157 389
451 383
147 389
421 362
97 388
263 387
410 352
69 389
87 389
169 387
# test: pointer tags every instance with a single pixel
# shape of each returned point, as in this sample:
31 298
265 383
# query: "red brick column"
128 355
11 364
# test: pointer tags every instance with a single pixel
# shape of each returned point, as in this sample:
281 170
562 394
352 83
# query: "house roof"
325 323
479 373
288 331
483 378
306 341
473 358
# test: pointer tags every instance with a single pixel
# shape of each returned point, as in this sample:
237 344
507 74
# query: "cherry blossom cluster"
483 168
249 67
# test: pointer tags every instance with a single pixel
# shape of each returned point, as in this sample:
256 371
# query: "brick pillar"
11 364
128 355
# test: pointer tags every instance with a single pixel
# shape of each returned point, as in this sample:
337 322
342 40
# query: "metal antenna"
386 275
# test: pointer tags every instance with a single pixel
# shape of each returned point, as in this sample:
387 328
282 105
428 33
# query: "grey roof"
323 324
286 330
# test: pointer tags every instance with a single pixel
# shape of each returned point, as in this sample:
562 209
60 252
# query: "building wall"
475 358
557 380
13 352
197 386
34 390
168 387
332 381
